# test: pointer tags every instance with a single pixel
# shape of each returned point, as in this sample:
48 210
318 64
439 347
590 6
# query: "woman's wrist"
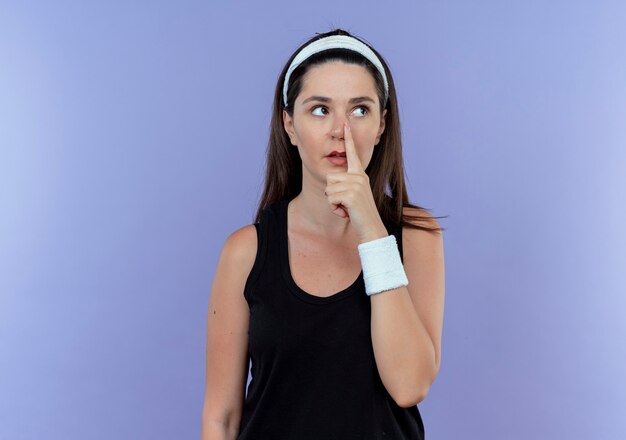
374 234
382 266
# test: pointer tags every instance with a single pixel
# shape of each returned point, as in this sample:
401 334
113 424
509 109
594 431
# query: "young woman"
336 292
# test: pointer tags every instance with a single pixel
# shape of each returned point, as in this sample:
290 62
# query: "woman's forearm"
214 430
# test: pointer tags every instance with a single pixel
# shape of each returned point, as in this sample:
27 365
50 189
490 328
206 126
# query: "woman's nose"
337 131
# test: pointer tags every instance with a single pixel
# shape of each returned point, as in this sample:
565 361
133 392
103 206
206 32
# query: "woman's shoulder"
241 246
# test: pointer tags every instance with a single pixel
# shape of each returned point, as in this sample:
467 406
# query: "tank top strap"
267 256
262 231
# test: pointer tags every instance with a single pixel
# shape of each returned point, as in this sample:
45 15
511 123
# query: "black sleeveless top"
314 375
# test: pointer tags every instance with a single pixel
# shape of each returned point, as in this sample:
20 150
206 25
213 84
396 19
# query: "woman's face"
321 109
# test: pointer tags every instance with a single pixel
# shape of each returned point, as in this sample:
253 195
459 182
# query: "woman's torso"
314 374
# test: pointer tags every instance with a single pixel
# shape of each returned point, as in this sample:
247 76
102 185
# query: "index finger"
354 163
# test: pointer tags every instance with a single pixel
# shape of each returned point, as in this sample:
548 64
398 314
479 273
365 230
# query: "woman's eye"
363 107
318 107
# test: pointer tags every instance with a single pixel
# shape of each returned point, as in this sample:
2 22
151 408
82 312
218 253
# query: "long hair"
283 172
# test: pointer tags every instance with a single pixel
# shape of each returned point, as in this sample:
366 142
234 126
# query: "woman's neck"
310 212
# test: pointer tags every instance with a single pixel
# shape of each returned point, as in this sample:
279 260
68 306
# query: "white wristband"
382 266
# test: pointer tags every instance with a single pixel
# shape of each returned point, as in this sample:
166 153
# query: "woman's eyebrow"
325 99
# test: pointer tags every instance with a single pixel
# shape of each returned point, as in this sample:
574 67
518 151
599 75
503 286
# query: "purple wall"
116 196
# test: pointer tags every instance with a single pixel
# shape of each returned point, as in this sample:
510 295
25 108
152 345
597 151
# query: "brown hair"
283 173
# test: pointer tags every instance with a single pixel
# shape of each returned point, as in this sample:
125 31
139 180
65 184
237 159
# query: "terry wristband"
382 267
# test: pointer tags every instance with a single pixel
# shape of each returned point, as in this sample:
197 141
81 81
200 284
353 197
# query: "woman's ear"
381 128
288 126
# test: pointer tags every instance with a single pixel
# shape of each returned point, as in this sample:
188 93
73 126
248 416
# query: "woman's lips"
337 160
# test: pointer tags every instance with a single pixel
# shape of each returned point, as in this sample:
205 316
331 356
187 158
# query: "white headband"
333 42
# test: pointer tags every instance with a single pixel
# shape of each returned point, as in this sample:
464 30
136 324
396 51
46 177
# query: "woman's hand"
351 197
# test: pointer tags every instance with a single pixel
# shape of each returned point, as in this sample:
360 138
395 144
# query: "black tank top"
314 375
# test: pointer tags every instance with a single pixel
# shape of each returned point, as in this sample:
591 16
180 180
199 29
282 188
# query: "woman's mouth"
337 157
338 160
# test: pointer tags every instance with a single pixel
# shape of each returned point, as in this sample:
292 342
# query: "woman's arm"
216 430
407 322
227 338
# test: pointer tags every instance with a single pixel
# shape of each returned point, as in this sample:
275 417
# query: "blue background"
132 142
